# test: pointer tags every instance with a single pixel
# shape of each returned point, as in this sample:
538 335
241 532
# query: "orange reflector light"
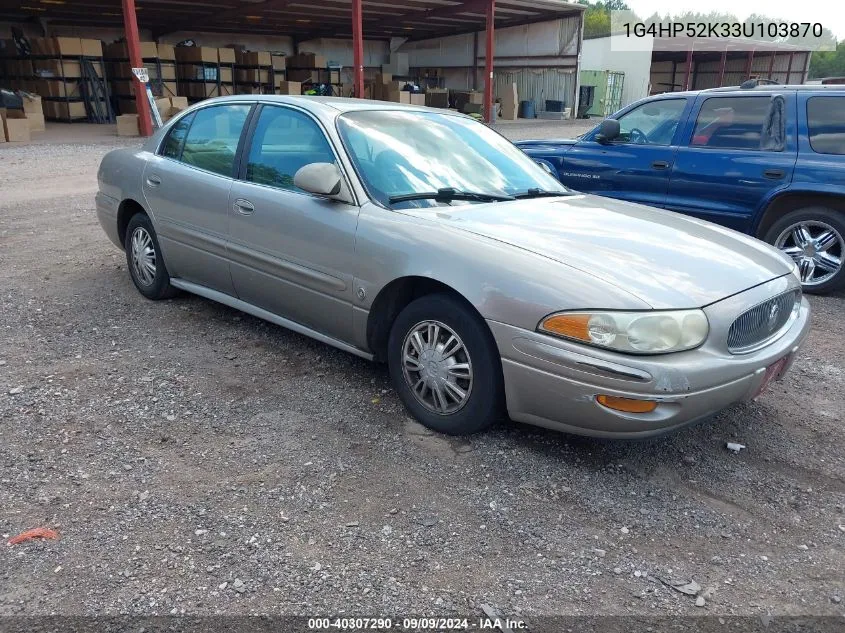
569 325
628 405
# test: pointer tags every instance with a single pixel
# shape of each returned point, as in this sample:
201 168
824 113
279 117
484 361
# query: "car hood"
558 145
663 258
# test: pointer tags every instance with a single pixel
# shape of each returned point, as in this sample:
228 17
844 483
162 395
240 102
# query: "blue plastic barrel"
526 110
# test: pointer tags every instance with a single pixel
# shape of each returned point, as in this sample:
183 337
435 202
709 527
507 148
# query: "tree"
597 16
828 63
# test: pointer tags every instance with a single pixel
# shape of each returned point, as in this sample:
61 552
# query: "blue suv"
767 160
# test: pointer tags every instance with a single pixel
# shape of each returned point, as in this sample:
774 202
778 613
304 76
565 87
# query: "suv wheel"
814 237
143 258
445 365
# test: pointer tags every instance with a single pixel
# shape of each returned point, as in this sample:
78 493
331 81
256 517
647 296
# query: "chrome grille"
755 327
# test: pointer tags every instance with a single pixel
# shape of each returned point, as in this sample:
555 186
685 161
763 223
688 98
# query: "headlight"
631 332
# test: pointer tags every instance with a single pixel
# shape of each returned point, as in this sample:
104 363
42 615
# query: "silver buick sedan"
424 239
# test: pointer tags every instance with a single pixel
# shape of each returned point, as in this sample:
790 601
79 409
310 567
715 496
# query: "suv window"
739 122
826 121
652 123
285 140
212 141
172 147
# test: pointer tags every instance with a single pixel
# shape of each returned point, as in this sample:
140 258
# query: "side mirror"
322 179
608 130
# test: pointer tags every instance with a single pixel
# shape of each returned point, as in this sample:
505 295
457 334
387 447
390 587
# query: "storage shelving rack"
61 94
255 85
210 85
124 83
336 86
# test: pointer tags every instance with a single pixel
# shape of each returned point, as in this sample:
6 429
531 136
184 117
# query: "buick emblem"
774 312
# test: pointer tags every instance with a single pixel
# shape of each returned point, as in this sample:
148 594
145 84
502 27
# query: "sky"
831 13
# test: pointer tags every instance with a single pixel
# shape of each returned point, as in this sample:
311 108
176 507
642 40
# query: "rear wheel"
445 365
814 237
143 258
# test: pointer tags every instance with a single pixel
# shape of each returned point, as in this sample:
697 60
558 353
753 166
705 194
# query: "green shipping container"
608 95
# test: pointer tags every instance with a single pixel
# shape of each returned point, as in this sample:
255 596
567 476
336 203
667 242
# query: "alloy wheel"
816 247
143 256
437 367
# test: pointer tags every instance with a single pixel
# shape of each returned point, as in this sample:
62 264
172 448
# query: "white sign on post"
142 74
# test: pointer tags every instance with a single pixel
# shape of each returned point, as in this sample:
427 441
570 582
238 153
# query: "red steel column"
722 67
789 68
748 64
133 44
358 46
488 62
771 64
689 69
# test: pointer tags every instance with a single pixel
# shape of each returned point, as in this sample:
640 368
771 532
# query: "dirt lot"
198 460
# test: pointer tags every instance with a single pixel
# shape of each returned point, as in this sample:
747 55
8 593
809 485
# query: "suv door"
736 153
635 166
186 185
291 252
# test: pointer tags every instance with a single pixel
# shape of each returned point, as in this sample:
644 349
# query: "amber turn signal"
569 325
628 405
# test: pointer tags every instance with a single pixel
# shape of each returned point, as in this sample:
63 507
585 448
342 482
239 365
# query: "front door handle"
774 174
153 180
244 207
660 164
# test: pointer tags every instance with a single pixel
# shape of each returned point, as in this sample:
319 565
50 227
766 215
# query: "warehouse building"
345 47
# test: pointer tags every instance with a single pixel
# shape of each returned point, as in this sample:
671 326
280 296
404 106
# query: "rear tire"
814 237
445 366
144 260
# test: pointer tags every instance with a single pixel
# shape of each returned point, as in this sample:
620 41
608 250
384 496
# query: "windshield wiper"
447 194
540 193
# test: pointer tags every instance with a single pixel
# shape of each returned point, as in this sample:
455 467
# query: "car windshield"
398 154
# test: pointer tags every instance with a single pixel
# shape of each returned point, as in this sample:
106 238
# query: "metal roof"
382 19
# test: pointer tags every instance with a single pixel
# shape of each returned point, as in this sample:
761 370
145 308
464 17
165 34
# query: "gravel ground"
197 460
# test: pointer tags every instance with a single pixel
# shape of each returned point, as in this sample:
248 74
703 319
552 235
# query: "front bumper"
554 383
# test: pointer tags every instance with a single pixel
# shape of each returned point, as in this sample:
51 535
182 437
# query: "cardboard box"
166 52
437 98
279 62
169 88
303 76
36 122
118 50
226 75
418 99
69 110
226 90
32 104
398 96
91 48
510 103
290 88
196 54
163 104
226 55
55 88
254 58
127 125
15 126
309 60
180 103
42 46
71 46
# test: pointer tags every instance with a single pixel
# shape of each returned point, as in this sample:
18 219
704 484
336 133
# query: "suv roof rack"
748 84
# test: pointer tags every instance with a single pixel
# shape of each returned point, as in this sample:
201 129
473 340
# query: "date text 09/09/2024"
415 624
747 30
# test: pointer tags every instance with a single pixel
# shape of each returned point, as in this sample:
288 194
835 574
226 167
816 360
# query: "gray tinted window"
212 141
732 122
826 120
176 137
285 141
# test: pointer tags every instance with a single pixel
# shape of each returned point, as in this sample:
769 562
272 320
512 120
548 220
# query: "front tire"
143 258
445 366
814 237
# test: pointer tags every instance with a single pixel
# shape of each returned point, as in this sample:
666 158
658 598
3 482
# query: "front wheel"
814 237
445 365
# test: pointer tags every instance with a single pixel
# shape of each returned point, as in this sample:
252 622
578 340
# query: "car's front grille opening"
762 323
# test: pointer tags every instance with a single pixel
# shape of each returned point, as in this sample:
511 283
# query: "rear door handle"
153 180
774 174
244 207
660 164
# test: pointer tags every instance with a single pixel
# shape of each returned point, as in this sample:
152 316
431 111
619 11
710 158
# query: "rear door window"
212 141
750 123
826 123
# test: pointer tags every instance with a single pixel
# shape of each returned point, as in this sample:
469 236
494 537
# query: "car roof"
765 88
331 105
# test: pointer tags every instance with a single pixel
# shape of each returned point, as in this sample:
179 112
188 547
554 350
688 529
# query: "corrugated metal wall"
706 73
538 85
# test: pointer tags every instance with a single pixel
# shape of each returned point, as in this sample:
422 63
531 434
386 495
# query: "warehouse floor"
197 460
